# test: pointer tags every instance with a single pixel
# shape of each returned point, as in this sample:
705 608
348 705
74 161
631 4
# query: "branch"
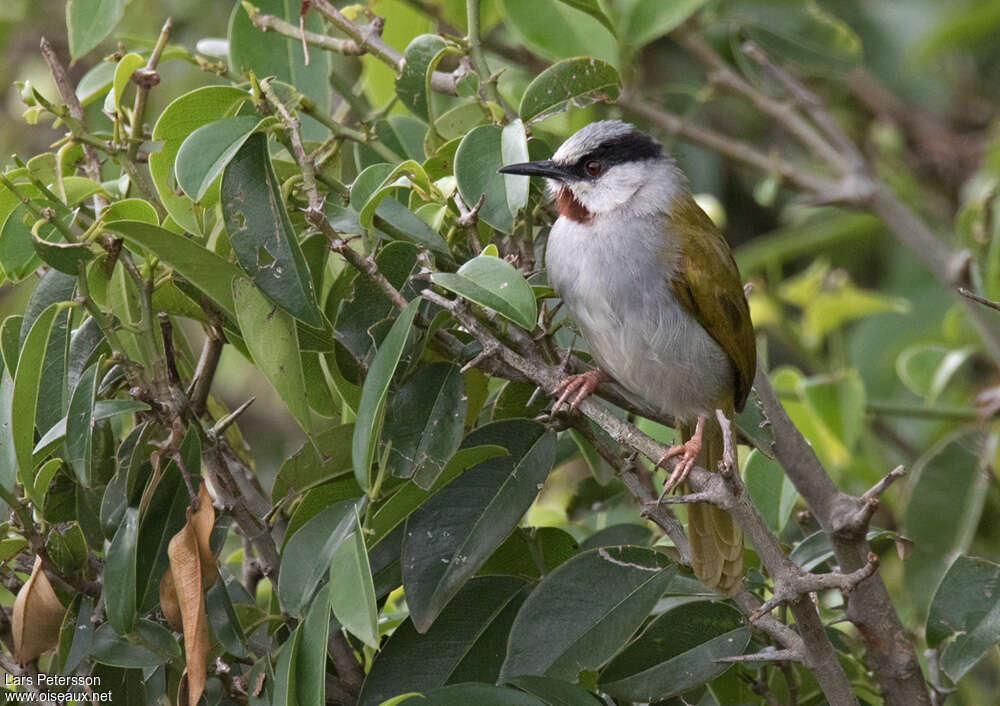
348 47
978 299
890 652
369 39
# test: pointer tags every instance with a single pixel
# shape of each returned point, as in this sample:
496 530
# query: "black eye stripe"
631 147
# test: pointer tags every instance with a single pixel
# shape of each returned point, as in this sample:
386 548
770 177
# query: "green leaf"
577 32
286 670
27 380
410 496
352 593
479 694
483 506
532 551
493 283
770 490
8 457
643 21
117 651
926 369
178 120
307 554
372 407
566 626
222 617
420 58
201 267
816 548
120 574
967 605
424 423
579 81
480 154
466 641
124 69
325 458
797 32
103 409
90 21
80 426
273 343
679 650
273 54
262 235
65 257
17 252
208 149
554 692
134 209
947 476
95 82
592 8
310 667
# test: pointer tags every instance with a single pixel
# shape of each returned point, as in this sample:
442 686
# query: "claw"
688 451
574 389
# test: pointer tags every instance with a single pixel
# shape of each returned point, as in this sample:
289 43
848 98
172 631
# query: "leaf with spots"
481 508
262 234
579 81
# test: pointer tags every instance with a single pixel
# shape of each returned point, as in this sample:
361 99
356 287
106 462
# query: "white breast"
613 276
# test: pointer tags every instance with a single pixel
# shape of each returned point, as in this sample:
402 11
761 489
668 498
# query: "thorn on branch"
468 217
490 349
224 423
978 299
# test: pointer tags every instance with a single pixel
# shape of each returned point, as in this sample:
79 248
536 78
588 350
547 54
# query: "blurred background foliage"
873 356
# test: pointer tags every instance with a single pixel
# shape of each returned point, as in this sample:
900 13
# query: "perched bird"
655 292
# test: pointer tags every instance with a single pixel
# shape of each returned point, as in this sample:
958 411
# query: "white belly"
616 288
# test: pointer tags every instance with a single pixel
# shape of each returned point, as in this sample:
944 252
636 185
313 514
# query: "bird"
653 289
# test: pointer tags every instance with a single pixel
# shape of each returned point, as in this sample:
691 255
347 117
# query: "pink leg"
689 451
574 389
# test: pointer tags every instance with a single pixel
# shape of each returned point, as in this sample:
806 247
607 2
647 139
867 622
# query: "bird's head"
601 168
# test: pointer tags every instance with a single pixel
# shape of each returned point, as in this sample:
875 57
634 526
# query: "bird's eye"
593 167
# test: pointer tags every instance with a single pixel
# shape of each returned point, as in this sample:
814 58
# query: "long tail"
716 541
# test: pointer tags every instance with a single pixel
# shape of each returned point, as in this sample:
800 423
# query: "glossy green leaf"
17 252
208 149
679 650
480 154
372 407
578 81
118 651
306 557
65 257
352 594
420 58
274 54
494 283
410 496
801 33
642 21
263 239
424 422
286 670
27 380
592 8
554 692
95 82
566 626
134 209
466 642
946 476
178 120
90 21
578 33
120 574
222 616
770 490
967 605
272 340
319 461
103 409
201 267
310 666
80 426
124 69
530 552
483 507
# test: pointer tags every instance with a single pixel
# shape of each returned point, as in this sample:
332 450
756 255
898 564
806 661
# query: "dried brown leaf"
37 616
186 562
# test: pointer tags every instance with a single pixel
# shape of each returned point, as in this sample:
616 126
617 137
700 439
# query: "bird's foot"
574 389
688 451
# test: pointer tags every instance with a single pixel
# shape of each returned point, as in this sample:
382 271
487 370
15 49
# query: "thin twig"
348 47
968 294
